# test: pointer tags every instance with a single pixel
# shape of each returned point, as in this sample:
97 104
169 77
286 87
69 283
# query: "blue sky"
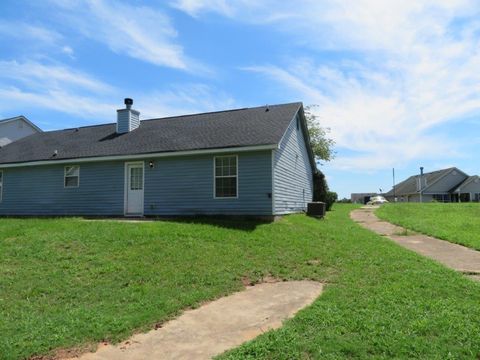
397 82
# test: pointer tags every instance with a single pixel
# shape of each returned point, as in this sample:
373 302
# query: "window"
477 197
226 177
1 185
136 178
298 123
72 176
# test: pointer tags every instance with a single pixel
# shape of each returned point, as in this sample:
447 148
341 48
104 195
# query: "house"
361 198
252 161
447 185
15 128
468 190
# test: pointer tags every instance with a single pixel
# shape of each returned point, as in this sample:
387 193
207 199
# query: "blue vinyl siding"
40 190
182 185
293 176
185 186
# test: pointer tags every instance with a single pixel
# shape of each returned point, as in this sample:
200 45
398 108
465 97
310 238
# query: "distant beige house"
447 185
15 128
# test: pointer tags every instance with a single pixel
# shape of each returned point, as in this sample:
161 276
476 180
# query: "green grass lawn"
456 222
68 282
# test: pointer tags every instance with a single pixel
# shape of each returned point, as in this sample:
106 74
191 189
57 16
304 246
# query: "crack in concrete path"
217 326
455 256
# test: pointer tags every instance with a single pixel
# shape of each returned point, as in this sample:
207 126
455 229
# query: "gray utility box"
316 209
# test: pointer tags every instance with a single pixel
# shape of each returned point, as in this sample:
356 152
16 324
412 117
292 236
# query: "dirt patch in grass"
71 353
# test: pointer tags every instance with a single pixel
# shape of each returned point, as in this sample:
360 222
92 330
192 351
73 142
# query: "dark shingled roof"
409 186
223 129
466 182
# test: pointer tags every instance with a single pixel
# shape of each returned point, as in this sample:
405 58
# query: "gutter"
140 156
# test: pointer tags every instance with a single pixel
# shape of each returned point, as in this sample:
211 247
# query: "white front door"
134 188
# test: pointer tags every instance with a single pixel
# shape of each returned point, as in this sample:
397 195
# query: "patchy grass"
67 283
458 222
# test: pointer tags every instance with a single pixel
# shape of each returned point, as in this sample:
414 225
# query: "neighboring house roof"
409 186
247 127
23 118
467 181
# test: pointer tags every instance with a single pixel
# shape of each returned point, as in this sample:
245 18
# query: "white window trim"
215 178
1 186
65 177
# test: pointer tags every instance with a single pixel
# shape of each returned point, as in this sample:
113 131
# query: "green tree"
322 147
322 144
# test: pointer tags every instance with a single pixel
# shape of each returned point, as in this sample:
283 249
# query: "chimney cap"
128 101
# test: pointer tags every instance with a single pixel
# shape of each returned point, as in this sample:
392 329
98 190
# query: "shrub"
330 199
321 191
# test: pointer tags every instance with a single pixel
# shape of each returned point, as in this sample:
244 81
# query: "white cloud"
182 99
38 75
68 51
34 37
22 30
194 7
140 32
84 106
37 85
27 85
401 69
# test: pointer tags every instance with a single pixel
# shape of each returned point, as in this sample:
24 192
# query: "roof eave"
306 137
141 156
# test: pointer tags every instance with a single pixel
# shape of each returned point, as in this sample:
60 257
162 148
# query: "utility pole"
394 195
421 183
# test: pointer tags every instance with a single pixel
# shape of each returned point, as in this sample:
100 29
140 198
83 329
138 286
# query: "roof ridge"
435 171
79 127
223 111
179 116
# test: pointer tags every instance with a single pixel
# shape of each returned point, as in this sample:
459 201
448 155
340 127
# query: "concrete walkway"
455 256
217 326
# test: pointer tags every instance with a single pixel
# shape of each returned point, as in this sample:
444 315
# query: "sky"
397 82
